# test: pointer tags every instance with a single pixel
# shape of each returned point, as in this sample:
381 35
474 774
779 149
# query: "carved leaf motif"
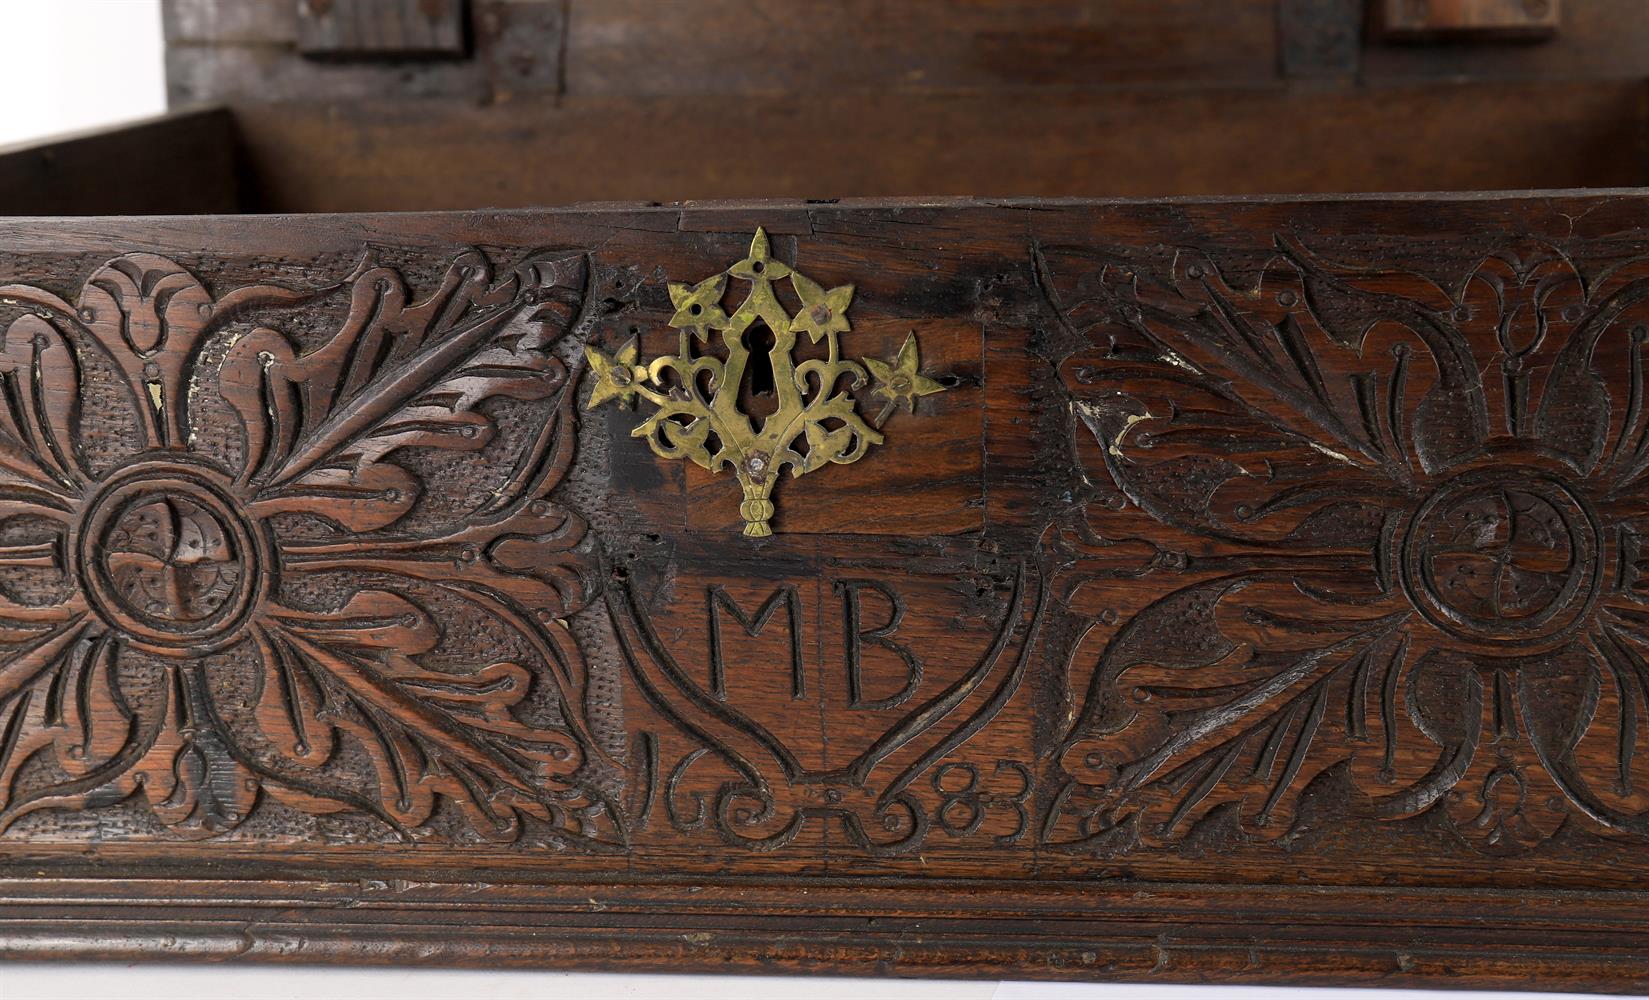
56 692
353 499
538 559
1229 710
1596 709
41 407
432 731
399 375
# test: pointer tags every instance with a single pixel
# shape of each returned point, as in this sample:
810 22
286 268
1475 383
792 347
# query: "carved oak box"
1232 590
1225 590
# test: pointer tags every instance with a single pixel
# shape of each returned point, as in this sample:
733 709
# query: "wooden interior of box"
549 103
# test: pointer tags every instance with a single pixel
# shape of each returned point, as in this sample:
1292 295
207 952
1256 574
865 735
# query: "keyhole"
756 396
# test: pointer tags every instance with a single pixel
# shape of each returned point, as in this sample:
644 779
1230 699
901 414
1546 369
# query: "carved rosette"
1351 520
229 569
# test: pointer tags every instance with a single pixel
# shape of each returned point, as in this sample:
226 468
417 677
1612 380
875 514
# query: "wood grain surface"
553 102
1261 599
247 51
396 155
181 162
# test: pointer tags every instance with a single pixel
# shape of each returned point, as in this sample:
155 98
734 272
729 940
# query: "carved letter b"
856 635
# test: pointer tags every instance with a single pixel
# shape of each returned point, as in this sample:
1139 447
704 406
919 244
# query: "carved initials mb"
856 635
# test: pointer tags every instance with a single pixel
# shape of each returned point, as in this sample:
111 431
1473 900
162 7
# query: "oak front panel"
1207 590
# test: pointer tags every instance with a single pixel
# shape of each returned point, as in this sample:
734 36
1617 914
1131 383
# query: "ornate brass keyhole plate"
696 392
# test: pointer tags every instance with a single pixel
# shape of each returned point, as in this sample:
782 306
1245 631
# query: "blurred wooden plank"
1319 38
444 154
246 51
640 47
1478 19
179 163
346 29
520 44
268 22
1599 39
262 74
236 56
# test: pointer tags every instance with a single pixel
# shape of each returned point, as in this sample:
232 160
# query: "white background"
67 65
74 64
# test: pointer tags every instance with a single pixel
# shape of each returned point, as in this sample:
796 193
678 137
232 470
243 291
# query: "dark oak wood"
1479 20
560 102
1260 599
377 29
1598 39
183 162
632 48
1320 38
637 48
428 155
423 155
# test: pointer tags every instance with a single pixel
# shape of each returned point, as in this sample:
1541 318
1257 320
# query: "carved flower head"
239 564
1347 516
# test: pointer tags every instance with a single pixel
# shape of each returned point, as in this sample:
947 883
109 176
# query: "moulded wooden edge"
1183 934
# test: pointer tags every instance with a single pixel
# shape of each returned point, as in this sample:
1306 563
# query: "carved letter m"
786 596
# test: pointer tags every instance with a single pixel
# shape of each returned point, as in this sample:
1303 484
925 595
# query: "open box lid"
398 105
